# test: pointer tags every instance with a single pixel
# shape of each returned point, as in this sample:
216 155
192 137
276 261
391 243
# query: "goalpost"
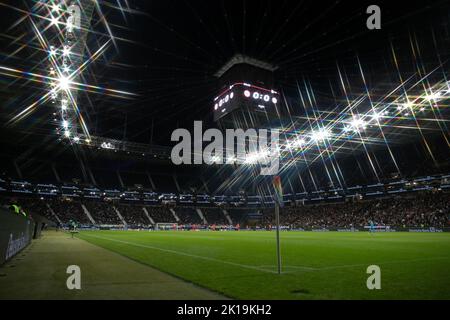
166 226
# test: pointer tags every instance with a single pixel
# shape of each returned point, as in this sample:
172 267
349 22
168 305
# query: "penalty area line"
185 254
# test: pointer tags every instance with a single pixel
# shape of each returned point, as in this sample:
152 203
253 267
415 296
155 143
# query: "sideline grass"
316 265
39 272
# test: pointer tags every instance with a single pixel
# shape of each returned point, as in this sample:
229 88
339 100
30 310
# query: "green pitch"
330 265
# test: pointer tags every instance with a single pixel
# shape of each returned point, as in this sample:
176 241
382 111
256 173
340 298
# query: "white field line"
386 262
185 254
345 266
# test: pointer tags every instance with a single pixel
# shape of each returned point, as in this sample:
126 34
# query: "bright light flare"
376 116
54 21
255 157
407 105
320 135
64 83
433 96
66 51
55 7
52 51
358 124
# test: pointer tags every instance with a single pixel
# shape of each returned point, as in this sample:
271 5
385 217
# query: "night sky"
167 52
164 54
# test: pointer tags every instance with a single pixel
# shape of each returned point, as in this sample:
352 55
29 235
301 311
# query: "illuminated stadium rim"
370 191
247 85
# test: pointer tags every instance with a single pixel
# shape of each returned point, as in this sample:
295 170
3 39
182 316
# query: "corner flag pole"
278 203
277 219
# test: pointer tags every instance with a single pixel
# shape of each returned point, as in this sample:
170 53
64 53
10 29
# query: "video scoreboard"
246 97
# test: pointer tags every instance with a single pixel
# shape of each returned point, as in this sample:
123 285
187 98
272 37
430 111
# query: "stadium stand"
430 210
103 213
69 210
423 211
214 216
188 215
160 214
133 215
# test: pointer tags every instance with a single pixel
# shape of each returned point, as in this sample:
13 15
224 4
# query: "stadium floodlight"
407 105
55 7
54 21
377 116
67 134
299 142
76 139
64 83
65 124
320 135
289 145
358 124
52 51
347 129
433 96
66 51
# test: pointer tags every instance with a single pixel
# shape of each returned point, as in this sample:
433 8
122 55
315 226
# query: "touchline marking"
385 262
303 268
348 266
185 254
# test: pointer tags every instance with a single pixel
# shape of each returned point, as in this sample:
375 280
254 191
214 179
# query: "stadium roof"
243 59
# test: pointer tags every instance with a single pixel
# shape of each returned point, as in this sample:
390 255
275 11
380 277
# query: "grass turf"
316 265
39 272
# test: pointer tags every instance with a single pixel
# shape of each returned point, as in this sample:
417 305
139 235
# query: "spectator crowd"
420 210
429 210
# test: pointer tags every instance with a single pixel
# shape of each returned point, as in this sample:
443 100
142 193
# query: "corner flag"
278 195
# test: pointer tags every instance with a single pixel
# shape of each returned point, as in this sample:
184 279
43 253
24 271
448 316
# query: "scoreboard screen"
245 96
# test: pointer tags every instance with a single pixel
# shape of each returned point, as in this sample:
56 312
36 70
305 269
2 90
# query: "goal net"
165 226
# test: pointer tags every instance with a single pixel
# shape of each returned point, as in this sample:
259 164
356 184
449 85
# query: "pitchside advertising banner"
16 233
